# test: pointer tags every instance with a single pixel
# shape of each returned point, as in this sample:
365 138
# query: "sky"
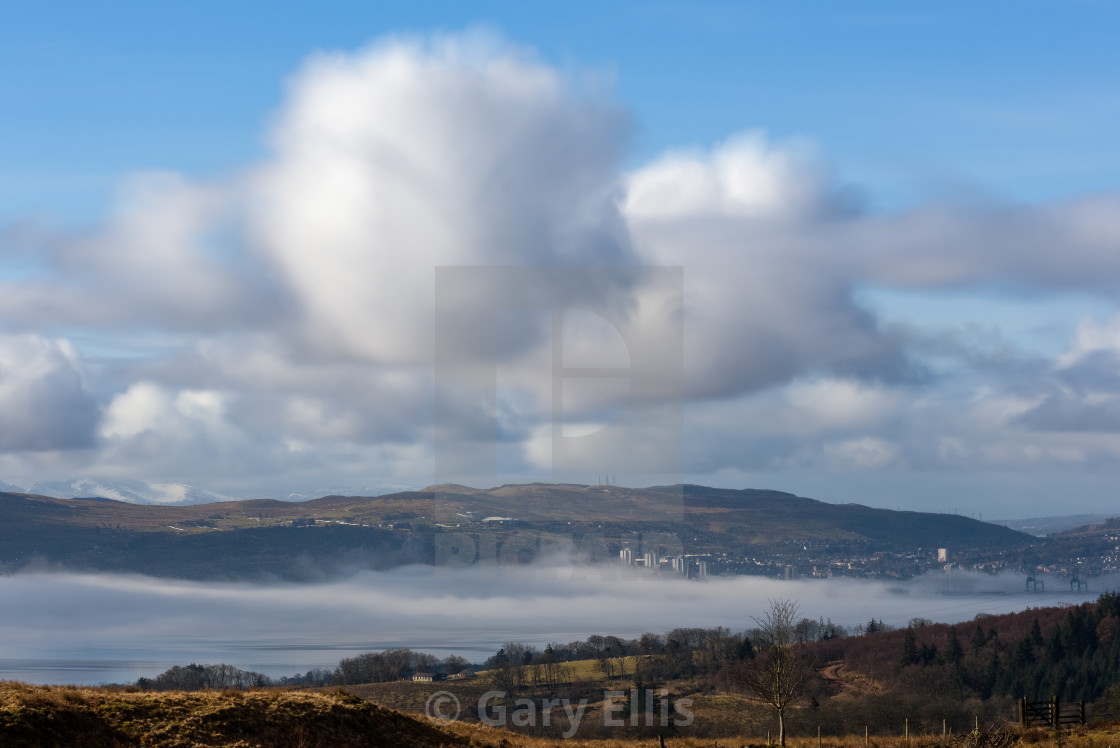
865 253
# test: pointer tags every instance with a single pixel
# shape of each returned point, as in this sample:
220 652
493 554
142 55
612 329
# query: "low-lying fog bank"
88 629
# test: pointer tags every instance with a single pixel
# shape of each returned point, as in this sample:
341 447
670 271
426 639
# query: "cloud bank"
272 330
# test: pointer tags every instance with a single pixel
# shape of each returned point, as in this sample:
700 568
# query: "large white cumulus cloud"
768 300
291 304
414 155
278 322
44 401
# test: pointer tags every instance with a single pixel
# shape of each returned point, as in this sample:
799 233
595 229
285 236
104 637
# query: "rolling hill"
265 537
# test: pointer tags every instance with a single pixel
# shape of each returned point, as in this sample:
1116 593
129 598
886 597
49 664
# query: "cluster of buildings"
433 677
690 567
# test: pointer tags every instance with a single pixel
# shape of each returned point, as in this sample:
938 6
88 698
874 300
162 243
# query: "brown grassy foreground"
94 717
1081 737
274 718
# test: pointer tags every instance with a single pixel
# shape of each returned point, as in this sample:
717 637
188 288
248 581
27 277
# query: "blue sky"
910 206
1015 99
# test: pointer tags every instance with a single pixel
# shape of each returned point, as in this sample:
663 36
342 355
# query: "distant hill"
1109 527
1043 526
766 513
333 533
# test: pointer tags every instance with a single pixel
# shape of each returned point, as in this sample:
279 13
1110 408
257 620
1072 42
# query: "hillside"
766 514
861 682
1043 526
1095 546
324 536
51 715
937 676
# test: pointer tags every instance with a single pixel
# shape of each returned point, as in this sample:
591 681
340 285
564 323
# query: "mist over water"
96 628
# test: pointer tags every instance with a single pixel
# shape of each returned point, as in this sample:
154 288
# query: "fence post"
1055 712
1081 710
977 723
1023 712
906 731
818 736
943 722
865 736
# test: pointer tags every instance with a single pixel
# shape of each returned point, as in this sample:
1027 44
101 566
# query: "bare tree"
779 673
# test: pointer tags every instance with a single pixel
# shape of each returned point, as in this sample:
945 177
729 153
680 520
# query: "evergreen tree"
1036 635
979 638
1055 650
956 681
953 651
988 679
909 648
1080 631
1109 604
1024 653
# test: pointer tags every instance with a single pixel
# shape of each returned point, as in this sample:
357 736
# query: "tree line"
1074 656
518 667
933 673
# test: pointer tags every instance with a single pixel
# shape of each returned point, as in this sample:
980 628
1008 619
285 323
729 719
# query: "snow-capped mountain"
134 492
139 492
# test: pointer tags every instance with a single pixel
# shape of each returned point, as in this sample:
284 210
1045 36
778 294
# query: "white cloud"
744 177
1047 248
45 403
146 408
1092 337
412 155
867 453
141 408
835 403
293 301
169 256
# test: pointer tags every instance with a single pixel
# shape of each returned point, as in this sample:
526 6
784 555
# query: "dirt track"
831 673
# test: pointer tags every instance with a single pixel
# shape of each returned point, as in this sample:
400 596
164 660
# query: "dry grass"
94 717
488 737
68 716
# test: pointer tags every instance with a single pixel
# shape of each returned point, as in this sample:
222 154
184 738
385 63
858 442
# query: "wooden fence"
1053 713
1103 713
